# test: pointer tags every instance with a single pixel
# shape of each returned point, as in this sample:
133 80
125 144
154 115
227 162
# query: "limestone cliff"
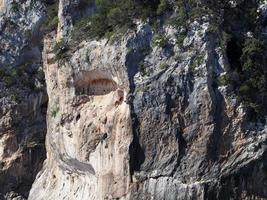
22 98
141 114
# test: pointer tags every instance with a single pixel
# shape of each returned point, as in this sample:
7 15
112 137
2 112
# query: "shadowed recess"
94 83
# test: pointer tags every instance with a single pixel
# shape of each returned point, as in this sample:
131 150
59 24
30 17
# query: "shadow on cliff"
137 156
140 47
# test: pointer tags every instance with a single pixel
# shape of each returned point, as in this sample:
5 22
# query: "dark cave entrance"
234 52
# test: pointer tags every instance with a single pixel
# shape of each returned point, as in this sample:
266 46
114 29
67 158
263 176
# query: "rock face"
22 109
115 130
85 99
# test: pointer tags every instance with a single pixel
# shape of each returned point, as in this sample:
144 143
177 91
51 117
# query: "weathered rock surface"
116 131
168 134
22 110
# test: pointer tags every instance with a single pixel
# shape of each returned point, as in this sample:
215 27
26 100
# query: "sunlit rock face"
127 117
2 4
90 121
164 131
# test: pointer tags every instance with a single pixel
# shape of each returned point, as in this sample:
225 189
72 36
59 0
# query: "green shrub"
180 38
40 75
14 6
8 80
90 27
14 72
198 12
178 58
81 29
224 39
223 80
163 66
60 50
15 97
160 41
163 7
245 89
252 57
51 21
55 112
252 77
143 67
23 76
213 28
28 82
8 76
254 65
179 20
198 60
52 25
112 16
117 17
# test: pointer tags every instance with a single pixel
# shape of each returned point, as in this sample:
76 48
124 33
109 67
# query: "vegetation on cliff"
113 15
51 21
247 71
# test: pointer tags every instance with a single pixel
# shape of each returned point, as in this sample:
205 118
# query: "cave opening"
234 52
95 83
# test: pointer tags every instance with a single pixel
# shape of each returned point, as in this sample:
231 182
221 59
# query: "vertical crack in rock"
133 59
218 107
137 155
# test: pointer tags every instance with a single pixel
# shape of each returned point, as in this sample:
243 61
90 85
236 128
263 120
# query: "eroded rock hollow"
95 83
